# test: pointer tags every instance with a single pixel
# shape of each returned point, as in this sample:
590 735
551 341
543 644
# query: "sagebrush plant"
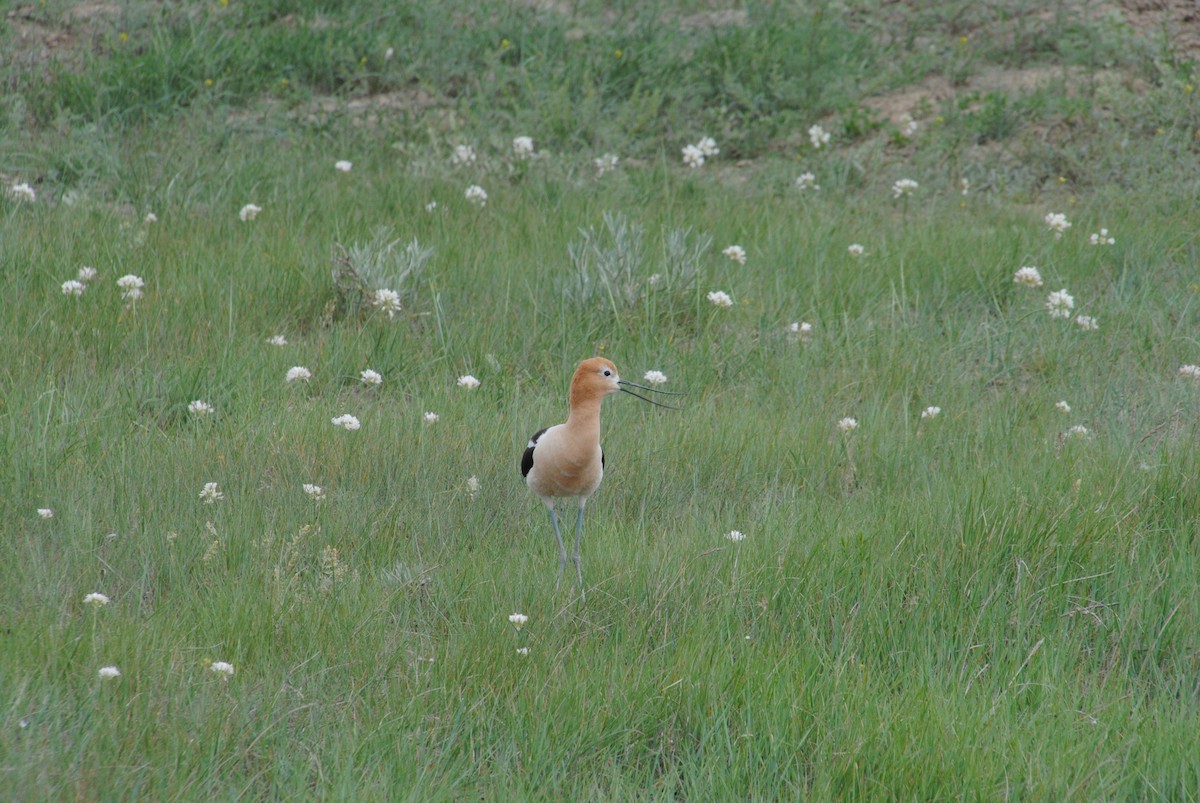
1000 594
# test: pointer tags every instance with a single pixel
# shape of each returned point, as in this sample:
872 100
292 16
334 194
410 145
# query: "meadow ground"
969 501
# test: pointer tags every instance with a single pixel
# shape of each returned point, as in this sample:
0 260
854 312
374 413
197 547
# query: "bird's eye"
607 372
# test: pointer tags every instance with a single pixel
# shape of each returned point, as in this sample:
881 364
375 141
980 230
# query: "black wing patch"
601 457
527 458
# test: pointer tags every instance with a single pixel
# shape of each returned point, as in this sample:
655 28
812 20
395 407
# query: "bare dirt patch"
1177 20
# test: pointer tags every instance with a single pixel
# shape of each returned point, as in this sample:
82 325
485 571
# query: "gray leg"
562 550
578 565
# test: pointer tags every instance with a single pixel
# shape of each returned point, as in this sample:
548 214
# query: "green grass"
972 606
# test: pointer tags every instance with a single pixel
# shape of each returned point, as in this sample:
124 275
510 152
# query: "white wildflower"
109 672
131 287
1101 238
347 422
343 166
314 492
692 156
388 301
223 668
277 340
86 274
298 373
463 155
477 195
1057 223
847 424
655 377
370 377
200 407
430 418
1077 431
1190 371
856 250
605 164
1060 303
96 599
908 126
736 536
522 651
719 298
467 381
45 512
389 53
71 287
800 329
518 620
249 212
22 193
708 147
1062 406
523 147
736 253
210 493
904 187
965 186
1028 276
150 218
1086 323
432 205
807 181
818 136
931 412
473 486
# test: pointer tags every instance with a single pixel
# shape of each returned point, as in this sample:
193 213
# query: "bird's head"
596 378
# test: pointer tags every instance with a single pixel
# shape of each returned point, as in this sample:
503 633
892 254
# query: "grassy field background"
998 601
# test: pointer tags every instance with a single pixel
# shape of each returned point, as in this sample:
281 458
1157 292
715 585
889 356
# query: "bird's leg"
562 550
578 565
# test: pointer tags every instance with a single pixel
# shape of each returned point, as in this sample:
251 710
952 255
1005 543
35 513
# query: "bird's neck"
585 416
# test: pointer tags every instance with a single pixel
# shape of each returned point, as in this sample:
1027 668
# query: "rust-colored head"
593 380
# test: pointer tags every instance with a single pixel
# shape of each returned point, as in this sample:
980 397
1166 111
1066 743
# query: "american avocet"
566 460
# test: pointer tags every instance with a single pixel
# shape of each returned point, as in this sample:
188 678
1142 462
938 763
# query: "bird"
566 460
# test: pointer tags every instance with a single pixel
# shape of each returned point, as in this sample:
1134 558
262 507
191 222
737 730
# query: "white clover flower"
518 620
605 164
522 651
719 298
807 181
856 250
1086 323
298 373
463 155
432 205
277 340
131 287
477 195
1062 406
71 287
315 492
1077 431
45 512
96 599
223 668
1028 276
86 274
708 147
818 136
736 536
200 407
523 147
1060 303
22 193
150 218
389 53
965 185
343 166
347 422
473 486
847 424
388 301
904 187
655 279
1057 223
693 157
210 493
1190 371
655 377
249 212
1101 238
931 412
370 377
800 329
908 126
736 253
109 673
467 381
430 418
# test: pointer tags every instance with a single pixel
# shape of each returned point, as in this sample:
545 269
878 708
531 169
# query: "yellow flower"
505 44
224 2
1188 88
618 53
208 82
362 61
962 40
124 37
1062 179
939 119
284 83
